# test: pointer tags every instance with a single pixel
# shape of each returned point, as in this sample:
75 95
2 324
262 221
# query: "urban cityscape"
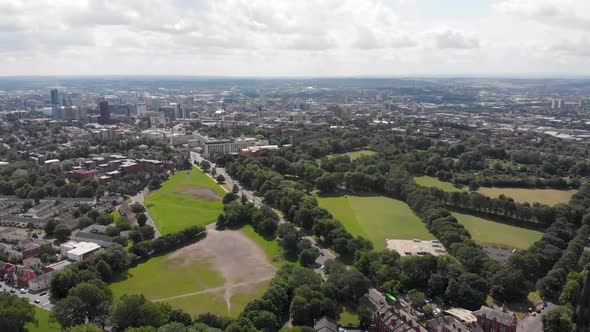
351 185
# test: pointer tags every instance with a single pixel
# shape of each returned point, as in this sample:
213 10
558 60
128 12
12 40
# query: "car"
538 311
23 291
12 291
44 293
322 267
37 301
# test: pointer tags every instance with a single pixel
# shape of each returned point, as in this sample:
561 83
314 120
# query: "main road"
325 254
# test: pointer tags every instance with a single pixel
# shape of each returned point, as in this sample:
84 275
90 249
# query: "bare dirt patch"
232 254
202 193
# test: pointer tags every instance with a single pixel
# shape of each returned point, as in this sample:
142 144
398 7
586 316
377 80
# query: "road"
43 300
534 323
324 253
139 198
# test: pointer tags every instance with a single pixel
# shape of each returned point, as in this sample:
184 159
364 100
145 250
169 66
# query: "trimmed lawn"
544 196
161 278
521 195
485 231
197 304
240 300
376 218
181 202
356 154
348 317
44 325
429 181
271 247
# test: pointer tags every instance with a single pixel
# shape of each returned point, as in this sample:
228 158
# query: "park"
520 195
376 218
219 274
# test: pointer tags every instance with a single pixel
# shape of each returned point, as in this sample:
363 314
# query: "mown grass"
376 218
161 277
172 210
484 231
521 195
44 322
355 154
348 317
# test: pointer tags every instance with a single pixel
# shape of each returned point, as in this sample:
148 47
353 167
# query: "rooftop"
499 316
84 248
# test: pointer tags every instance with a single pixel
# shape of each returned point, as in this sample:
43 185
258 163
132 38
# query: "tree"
50 226
147 232
141 219
417 299
96 301
220 178
69 311
105 271
62 232
307 257
365 318
88 327
15 313
558 320
155 183
137 208
205 166
136 310
112 231
235 189
230 197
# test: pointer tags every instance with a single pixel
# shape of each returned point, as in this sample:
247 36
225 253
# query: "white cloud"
454 39
285 37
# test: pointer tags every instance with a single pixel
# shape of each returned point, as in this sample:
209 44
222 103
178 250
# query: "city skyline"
305 39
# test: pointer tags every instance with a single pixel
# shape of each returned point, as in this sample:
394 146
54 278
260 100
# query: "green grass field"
485 231
376 218
271 247
545 196
355 154
162 277
348 317
178 204
44 325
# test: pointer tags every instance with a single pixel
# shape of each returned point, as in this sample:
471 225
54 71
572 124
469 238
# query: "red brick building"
492 320
389 319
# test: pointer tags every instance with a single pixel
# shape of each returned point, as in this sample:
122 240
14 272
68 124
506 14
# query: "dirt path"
234 256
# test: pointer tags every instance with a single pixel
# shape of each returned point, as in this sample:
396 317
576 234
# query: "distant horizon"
540 76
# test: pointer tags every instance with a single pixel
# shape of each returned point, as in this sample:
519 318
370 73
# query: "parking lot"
42 299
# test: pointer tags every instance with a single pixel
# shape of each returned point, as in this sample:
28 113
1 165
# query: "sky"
295 37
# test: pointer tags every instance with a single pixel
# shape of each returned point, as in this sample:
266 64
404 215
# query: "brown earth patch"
232 254
202 193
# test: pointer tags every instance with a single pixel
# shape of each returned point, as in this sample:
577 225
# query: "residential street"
43 300
139 198
532 323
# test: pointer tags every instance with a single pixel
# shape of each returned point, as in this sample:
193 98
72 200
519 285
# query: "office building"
55 105
105 113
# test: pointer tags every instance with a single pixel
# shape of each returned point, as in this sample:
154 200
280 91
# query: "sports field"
44 325
376 218
544 196
186 199
485 231
219 274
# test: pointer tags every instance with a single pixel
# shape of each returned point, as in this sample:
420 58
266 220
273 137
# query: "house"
450 324
42 282
492 320
390 319
325 324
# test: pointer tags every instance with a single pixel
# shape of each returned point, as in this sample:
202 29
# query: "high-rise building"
155 104
55 106
54 97
105 113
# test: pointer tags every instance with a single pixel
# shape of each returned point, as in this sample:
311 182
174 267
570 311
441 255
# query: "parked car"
37 301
